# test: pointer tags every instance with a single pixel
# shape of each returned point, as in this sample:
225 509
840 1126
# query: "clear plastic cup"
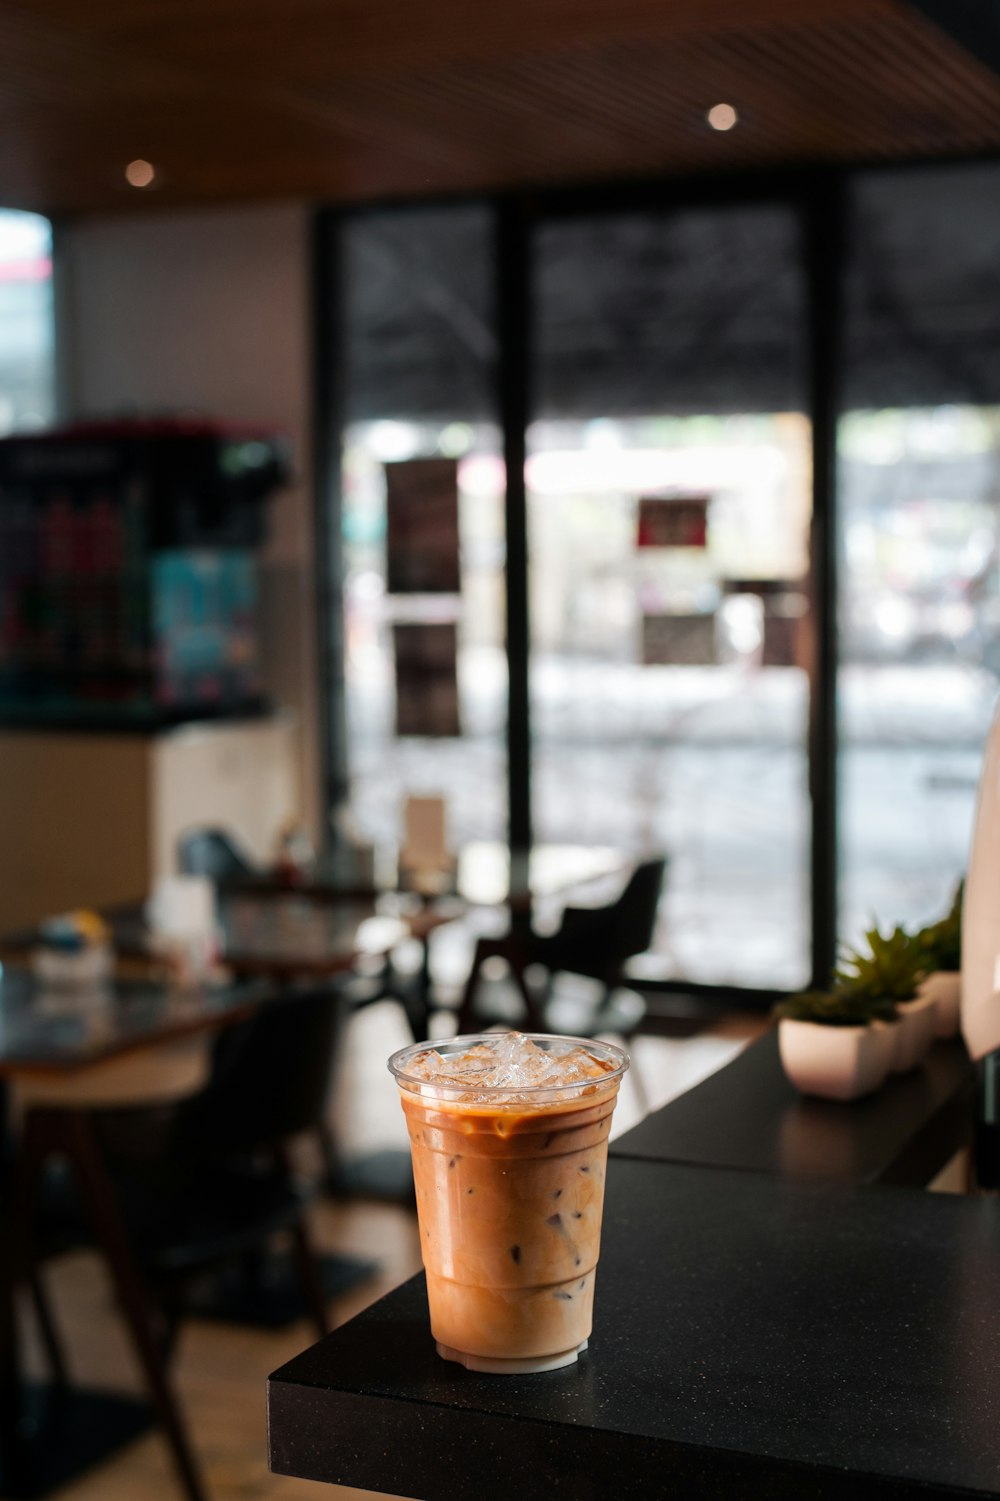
510 1193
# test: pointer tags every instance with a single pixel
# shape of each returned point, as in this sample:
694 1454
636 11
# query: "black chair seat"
591 942
179 1223
221 1216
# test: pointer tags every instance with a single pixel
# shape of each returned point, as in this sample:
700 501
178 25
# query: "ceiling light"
722 117
139 174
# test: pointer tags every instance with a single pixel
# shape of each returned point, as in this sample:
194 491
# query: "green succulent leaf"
942 941
892 967
836 1008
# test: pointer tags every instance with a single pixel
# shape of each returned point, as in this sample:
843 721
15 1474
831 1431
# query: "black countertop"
753 1338
748 1116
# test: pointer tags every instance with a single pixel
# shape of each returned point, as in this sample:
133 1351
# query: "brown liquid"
509 1200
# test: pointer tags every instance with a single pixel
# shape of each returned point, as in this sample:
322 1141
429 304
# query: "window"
669 694
684 655
919 524
425 669
27 387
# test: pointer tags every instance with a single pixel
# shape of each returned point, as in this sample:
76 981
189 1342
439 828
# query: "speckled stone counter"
754 1337
748 1116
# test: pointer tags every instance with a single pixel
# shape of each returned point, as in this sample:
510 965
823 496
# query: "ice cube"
508 1061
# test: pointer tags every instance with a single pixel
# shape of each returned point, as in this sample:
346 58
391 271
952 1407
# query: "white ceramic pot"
886 1036
915 1028
836 1063
945 986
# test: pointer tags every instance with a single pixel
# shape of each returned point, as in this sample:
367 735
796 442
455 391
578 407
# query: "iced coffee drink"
509 1135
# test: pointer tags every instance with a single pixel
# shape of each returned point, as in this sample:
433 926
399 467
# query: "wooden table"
47 1032
278 934
753 1338
284 935
748 1116
271 932
484 874
489 876
47 1435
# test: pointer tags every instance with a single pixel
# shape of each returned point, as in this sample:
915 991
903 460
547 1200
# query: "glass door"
919 534
421 521
669 502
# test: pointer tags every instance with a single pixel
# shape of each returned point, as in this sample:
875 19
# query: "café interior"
644 361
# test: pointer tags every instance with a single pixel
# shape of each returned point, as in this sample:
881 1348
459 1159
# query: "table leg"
69 1133
48 1434
417 1001
47 1329
13 1257
11 1380
514 949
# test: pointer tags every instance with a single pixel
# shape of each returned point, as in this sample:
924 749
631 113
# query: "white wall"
208 311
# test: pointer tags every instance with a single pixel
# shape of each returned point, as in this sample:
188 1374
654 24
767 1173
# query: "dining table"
62 1048
781 1310
270 941
483 874
754 1337
276 934
748 1117
269 930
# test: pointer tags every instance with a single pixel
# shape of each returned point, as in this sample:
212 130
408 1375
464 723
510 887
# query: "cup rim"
446 1087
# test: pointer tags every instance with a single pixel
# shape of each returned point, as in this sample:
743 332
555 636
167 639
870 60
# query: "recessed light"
722 117
139 174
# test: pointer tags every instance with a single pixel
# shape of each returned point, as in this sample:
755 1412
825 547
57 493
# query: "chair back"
211 852
597 941
270 1076
633 916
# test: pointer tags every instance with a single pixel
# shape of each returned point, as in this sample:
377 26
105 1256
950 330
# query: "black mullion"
328 362
66 395
597 195
673 194
513 373
824 243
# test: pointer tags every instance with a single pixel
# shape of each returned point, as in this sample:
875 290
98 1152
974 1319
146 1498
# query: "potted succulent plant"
892 968
942 946
838 1044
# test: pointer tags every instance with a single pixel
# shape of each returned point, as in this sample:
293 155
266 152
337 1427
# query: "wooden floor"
220 1370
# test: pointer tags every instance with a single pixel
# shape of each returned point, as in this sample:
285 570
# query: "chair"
212 853
204 1182
595 942
222 1181
41 1306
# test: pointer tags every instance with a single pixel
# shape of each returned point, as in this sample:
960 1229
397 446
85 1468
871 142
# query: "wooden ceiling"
355 99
